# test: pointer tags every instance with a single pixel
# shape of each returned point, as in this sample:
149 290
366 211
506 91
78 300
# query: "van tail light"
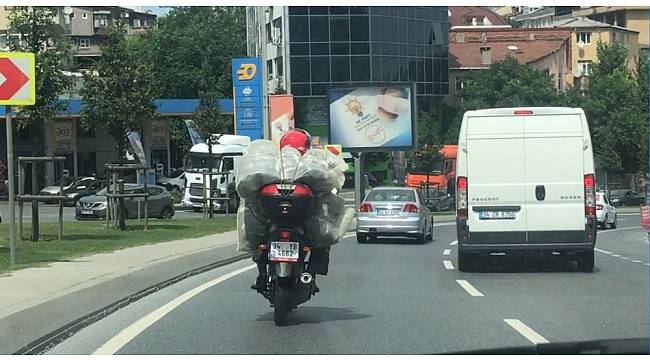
302 190
410 208
523 112
270 189
365 207
590 195
461 197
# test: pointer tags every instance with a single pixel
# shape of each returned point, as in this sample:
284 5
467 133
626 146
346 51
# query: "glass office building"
356 46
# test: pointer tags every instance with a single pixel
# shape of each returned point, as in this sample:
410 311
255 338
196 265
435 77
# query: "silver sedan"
394 212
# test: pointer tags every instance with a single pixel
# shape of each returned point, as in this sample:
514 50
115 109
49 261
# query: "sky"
156 10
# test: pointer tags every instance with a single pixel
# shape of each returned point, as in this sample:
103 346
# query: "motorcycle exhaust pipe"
306 278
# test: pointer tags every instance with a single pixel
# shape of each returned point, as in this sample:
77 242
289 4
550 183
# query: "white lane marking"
446 252
625 258
526 331
448 265
453 242
616 255
603 251
619 229
469 288
646 264
129 333
636 261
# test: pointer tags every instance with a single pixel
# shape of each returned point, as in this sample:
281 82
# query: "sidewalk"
38 301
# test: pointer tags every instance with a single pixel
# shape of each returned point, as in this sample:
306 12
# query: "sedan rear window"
391 195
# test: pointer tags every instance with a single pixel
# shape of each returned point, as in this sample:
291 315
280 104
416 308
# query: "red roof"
531 45
462 15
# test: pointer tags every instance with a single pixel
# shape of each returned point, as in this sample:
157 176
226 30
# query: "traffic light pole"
12 193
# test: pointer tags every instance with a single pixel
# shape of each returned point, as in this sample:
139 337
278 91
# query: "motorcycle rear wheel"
281 304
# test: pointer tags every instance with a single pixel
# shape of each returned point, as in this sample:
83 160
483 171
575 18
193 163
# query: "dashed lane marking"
453 242
526 331
469 288
448 265
446 252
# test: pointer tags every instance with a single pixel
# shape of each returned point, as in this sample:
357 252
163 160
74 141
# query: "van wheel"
586 261
613 225
464 260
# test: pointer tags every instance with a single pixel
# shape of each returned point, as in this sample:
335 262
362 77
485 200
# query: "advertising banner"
136 144
248 97
194 134
63 136
372 118
281 116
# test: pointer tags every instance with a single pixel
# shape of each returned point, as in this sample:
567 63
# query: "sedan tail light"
410 208
365 207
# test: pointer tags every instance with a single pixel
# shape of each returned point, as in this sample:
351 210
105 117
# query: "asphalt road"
50 213
393 298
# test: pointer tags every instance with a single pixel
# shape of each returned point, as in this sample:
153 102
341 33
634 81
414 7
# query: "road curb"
51 339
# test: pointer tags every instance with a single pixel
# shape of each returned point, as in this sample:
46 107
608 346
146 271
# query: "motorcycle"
287 250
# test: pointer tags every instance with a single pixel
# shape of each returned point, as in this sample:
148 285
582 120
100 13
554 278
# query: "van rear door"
495 174
554 174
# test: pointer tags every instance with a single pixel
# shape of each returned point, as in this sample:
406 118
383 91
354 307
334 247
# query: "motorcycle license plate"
284 251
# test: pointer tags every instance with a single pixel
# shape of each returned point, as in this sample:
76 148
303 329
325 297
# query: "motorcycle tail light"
270 189
302 190
285 235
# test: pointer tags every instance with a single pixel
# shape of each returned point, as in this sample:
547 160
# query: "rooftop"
583 22
460 15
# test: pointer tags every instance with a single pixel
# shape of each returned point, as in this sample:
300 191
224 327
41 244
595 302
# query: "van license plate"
490 215
284 251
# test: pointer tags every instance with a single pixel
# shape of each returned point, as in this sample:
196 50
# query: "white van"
525 183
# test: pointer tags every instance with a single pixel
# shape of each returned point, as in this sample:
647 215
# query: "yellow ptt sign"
246 71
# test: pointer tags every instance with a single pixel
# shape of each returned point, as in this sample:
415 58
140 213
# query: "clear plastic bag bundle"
257 168
251 229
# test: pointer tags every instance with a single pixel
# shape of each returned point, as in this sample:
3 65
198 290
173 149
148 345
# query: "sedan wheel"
614 224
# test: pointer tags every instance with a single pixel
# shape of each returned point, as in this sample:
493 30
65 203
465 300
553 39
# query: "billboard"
373 118
64 136
281 116
248 96
159 133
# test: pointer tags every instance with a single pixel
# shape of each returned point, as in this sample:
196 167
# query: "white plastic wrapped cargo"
257 168
251 230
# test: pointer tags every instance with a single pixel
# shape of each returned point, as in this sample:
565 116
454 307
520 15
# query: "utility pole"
12 193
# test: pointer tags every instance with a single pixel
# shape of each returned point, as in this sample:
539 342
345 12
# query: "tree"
429 144
119 90
38 33
188 37
507 83
207 117
617 110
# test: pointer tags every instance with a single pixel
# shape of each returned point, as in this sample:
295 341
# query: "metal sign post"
12 193
18 88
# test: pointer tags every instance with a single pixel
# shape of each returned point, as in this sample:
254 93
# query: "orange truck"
444 171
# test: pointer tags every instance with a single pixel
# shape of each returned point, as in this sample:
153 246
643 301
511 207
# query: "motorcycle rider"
300 140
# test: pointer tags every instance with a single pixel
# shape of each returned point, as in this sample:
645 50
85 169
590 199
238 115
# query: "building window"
136 23
84 43
269 68
279 64
585 67
319 28
269 33
585 37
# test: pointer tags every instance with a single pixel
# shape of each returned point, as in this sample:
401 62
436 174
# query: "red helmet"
298 139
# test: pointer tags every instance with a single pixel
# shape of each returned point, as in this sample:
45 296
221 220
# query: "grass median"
91 237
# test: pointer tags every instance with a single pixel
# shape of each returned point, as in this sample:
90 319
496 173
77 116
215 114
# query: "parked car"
626 197
438 200
67 184
159 203
394 212
605 211
82 189
175 182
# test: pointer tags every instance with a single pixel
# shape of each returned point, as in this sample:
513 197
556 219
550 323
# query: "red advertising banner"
281 115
